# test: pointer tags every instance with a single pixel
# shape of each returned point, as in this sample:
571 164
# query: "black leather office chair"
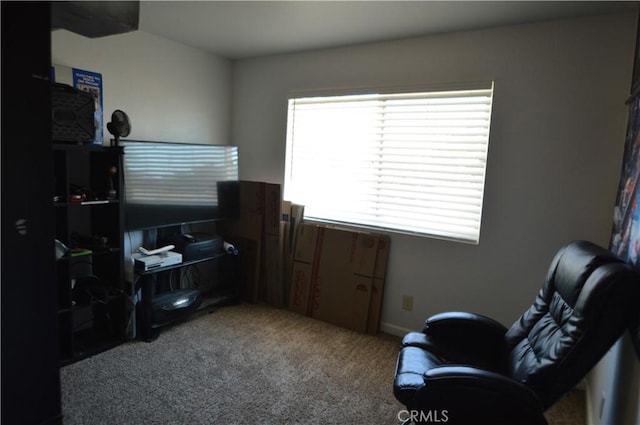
465 368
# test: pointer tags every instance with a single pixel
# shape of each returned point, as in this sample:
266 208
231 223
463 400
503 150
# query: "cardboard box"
264 199
259 222
273 284
292 216
377 289
295 220
285 229
337 276
272 209
300 287
375 306
305 247
341 298
245 233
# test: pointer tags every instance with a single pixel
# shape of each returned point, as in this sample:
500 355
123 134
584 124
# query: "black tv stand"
228 266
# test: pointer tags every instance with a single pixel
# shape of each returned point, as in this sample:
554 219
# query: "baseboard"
390 329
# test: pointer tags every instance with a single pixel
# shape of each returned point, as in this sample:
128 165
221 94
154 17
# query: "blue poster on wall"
625 235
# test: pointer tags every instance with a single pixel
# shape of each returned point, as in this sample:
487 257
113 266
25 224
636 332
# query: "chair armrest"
458 324
472 377
472 395
464 338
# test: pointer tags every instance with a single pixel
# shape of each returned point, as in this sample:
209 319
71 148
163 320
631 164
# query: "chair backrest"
583 307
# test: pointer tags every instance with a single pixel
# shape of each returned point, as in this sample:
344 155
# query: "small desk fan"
119 126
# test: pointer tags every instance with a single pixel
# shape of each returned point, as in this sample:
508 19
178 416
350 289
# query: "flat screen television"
170 184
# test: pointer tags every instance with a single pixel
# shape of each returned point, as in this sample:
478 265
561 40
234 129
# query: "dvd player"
143 263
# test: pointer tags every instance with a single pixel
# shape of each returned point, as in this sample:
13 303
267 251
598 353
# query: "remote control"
156 251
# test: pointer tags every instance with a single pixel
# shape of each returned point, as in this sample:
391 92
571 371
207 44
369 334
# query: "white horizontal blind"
177 174
409 162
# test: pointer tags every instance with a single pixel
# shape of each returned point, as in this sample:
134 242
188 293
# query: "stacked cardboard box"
331 274
292 216
338 276
257 234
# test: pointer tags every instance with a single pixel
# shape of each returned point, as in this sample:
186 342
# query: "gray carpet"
245 364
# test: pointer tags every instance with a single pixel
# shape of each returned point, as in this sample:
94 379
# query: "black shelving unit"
224 292
89 222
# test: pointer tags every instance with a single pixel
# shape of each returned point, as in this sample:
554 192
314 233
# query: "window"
407 162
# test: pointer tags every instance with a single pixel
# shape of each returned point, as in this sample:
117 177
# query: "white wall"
170 92
555 149
554 158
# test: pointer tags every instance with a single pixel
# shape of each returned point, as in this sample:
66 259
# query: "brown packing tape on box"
377 289
382 259
300 287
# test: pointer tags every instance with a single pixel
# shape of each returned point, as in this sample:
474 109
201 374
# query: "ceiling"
243 29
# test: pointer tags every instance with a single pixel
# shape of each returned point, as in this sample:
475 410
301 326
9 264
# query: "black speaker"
72 114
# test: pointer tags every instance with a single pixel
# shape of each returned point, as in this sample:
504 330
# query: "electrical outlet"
407 302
